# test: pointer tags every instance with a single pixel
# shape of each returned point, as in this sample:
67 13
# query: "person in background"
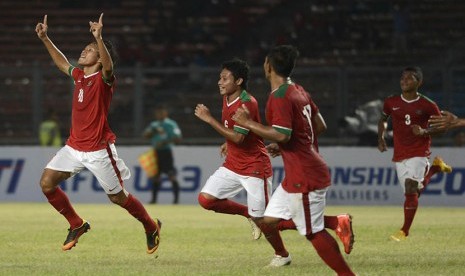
301 195
91 144
409 113
49 131
163 133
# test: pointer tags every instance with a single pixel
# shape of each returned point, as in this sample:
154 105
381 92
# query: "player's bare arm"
203 113
242 117
224 150
382 126
104 56
320 124
58 57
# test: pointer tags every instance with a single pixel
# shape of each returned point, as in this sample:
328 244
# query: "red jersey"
250 157
404 114
289 111
91 101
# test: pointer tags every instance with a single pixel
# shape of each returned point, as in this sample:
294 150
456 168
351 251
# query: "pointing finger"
45 19
100 19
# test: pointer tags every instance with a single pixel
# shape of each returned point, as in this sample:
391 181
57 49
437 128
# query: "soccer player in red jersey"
247 165
409 113
341 224
301 195
91 142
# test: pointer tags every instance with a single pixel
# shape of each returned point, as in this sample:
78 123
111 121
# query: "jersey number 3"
407 119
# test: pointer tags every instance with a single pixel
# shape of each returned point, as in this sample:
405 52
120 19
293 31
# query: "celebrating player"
91 141
247 165
409 113
341 224
301 195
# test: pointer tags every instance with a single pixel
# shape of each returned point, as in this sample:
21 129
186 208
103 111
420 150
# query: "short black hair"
111 50
239 69
283 58
417 72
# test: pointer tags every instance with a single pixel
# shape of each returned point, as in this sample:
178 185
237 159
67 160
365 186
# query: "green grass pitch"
199 242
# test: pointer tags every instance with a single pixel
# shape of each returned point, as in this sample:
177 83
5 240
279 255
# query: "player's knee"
206 203
48 182
119 199
411 186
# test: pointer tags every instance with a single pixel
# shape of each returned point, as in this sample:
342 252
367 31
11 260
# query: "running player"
247 165
341 224
91 141
301 195
409 113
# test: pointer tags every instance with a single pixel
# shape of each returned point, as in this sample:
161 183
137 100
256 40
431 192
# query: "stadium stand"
170 51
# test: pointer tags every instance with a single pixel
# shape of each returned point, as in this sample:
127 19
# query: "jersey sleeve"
435 110
73 72
252 106
281 118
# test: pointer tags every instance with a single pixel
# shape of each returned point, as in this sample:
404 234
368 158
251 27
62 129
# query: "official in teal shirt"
163 133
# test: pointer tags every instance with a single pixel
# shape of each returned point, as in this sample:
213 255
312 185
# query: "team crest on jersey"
419 112
89 83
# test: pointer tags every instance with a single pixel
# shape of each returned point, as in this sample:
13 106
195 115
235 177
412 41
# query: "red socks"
432 171
410 208
224 206
328 250
137 210
330 223
274 238
60 201
286 225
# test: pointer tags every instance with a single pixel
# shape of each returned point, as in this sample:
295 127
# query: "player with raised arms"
91 141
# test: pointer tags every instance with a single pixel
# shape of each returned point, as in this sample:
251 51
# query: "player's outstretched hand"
41 28
442 122
96 27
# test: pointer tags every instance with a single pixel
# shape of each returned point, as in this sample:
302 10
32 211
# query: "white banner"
360 176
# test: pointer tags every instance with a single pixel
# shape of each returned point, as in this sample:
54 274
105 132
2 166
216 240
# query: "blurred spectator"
364 123
164 133
401 28
49 131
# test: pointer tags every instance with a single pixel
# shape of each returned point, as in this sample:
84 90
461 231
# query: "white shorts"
306 210
224 183
104 164
413 168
